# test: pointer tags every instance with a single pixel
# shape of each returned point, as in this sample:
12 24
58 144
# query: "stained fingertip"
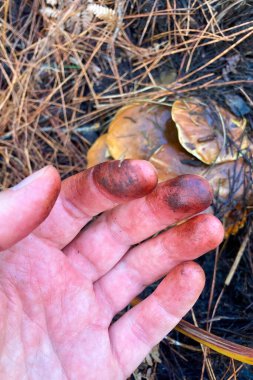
204 229
126 180
188 281
43 188
188 194
190 270
50 184
212 228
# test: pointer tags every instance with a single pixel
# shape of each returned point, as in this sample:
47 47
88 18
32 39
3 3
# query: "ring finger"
151 260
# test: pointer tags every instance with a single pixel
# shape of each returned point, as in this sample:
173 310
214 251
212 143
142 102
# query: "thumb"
24 206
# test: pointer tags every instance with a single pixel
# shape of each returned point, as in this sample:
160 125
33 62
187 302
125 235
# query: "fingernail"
30 179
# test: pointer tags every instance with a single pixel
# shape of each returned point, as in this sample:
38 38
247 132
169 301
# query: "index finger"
93 191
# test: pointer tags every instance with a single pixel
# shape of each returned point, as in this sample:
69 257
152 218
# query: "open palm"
64 275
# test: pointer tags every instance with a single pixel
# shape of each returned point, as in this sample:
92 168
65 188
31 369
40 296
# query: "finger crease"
169 314
117 232
73 211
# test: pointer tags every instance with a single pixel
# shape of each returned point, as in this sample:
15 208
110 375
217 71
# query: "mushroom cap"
138 130
171 160
209 132
98 152
228 179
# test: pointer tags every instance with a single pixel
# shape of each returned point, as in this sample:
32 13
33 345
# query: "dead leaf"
235 220
210 133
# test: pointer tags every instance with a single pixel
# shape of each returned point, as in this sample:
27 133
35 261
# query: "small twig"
205 350
238 258
236 372
183 345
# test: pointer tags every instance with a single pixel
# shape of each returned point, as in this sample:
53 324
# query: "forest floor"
63 75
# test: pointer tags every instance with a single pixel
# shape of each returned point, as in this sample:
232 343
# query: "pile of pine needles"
67 66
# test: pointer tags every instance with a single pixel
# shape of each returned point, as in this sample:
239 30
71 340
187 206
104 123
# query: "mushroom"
98 152
170 160
209 132
194 146
138 130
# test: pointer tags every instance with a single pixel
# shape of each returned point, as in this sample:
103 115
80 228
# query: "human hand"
61 285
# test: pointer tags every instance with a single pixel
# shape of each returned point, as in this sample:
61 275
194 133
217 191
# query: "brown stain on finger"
125 180
51 185
186 194
49 204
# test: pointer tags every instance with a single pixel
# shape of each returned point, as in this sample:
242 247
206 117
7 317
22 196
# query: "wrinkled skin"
61 284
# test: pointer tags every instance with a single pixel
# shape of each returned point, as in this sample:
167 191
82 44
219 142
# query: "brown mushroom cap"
171 160
209 132
98 152
227 179
138 130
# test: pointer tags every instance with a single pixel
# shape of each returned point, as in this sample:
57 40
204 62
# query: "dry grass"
57 77
64 72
